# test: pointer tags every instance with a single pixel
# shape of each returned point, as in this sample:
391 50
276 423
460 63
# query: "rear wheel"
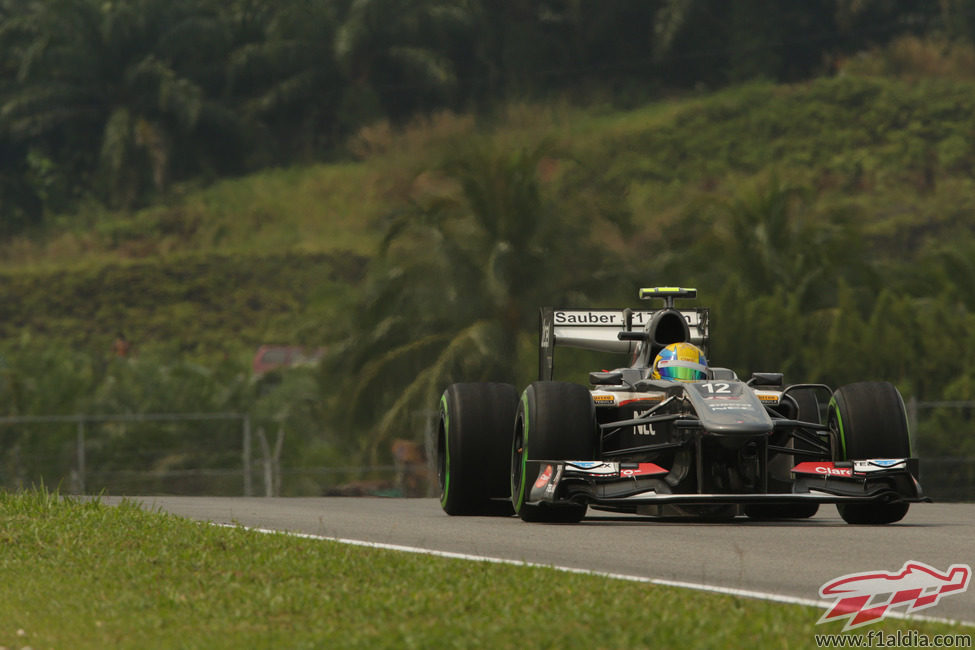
473 446
555 421
868 420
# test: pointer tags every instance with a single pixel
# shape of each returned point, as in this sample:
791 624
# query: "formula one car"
685 439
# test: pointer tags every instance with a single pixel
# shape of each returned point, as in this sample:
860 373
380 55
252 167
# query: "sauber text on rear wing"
598 330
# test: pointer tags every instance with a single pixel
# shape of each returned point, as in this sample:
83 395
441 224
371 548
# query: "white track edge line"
717 589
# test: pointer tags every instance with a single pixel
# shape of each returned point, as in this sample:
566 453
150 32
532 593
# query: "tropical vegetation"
203 177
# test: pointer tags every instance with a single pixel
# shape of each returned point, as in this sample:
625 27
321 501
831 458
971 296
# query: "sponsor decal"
865 598
544 477
610 317
878 465
685 353
768 397
641 469
886 462
643 429
590 318
858 467
649 398
593 467
823 469
731 407
603 399
550 488
662 291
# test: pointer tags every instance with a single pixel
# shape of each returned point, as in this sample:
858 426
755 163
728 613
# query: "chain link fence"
222 454
943 436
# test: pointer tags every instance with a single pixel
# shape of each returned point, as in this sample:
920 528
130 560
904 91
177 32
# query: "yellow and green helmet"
680 362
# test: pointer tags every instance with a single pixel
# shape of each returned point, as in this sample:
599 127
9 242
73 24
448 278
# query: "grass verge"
82 574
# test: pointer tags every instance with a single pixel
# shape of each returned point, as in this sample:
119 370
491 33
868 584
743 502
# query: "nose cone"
729 408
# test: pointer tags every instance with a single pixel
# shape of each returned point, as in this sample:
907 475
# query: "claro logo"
823 469
835 471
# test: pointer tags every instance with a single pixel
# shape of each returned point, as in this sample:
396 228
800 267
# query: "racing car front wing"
635 484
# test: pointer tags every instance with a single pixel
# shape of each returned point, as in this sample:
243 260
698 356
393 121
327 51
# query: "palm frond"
287 93
381 372
473 342
424 64
117 141
30 101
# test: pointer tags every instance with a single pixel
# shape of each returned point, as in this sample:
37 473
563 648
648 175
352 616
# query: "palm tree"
768 235
115 84
283 73
20 205
395 68
462 272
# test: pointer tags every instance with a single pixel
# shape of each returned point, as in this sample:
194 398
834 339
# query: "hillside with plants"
822 249
826 219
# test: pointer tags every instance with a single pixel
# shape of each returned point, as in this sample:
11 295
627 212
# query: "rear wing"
598 330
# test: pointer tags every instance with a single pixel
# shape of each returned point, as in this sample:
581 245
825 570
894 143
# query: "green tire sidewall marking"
907 419
839 423
519 502
446 448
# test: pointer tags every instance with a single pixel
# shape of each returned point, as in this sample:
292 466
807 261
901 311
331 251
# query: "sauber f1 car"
648 440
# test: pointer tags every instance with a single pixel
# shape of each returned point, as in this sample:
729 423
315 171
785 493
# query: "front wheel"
868 420
555 421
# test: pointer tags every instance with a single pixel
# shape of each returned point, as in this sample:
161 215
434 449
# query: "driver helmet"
680 362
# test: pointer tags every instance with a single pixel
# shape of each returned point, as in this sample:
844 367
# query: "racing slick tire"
473 444
555 421
868 420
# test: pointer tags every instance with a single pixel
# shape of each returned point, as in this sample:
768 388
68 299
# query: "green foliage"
126 98
187 304
914 58
33 382
827 225
461 273
285 404
116 87
883 135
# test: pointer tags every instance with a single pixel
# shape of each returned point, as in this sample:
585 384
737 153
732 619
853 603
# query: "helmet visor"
681 370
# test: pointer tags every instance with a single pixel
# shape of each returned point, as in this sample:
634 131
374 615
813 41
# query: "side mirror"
766 379
638 335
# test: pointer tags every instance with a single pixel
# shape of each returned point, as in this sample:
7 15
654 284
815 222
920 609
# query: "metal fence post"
248 479
81 455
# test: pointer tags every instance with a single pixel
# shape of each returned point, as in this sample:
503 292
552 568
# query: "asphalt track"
789 559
